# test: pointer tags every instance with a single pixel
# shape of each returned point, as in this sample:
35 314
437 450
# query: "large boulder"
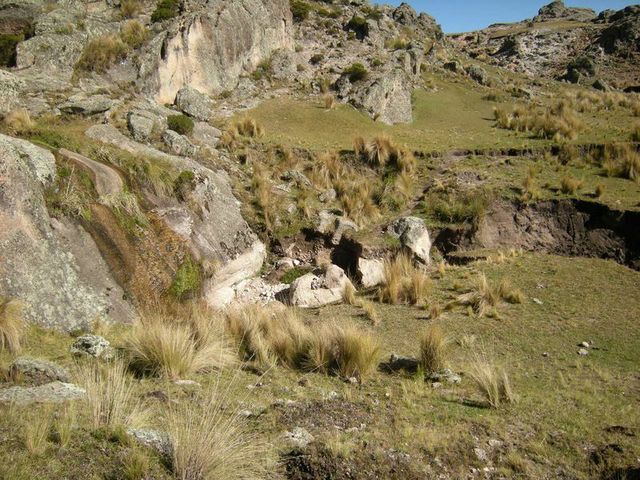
36 269
37 371
370 272
414 237
210 49
312 291
194 103
622 37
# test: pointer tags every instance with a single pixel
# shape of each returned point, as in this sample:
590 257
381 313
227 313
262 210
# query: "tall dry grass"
433 349
18 121
109 397
484 295
208 442
492 383
163 345
11 325
403 282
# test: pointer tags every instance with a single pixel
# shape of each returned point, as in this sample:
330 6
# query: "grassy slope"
453 117
566 401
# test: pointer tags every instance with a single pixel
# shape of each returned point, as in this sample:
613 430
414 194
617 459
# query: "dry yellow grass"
163 346
11 325
248 127
210 443
63 425
36 431
403 282
433 349
559 122
349 294
101 53
370 311
133 33
109 397
18 121
510 294
492 383
329 101
570 185
130 8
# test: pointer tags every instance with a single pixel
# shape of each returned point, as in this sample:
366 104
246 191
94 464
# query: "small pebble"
538 301
584 345
583 351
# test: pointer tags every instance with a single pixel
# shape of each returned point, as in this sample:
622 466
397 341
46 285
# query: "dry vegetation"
433 350
559 122
11 325
404 282
485 296
493 383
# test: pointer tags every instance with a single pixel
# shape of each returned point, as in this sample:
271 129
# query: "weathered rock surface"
87 105
35 268
178 144
414 236
194 103
311 291
54 392
106 180
214 45
93 346
370 272
37 371
10 88
558 10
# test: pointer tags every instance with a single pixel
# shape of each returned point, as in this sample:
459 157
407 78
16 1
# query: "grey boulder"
414 237
37 371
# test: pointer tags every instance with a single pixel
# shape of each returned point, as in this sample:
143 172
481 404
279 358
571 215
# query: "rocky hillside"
575 44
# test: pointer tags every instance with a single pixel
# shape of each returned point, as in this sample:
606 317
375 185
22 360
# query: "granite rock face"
214 44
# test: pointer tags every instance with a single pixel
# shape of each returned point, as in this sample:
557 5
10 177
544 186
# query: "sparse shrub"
133 33
130 8
166 10
208 442
493 384
160 345
188 280
358 25
433 349
11 325
599 191
403 282
8 48
181 124
109 395
19 122
570 185
300 10
356 72
101 53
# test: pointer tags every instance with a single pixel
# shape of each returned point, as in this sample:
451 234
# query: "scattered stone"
328 196
37 371
299 437
445 375
352 380
206 135
186 383
179 144
414 236
537 301
140 127
92 346
194 103
494 443
481 454
311 291
299 178
370 272
545 354
584 345
55 392
153 439
583 352
81 104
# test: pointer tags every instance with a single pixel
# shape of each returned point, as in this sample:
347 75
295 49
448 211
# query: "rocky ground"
276 176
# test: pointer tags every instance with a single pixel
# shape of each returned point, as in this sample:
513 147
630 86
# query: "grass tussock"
18 122
344 350
36 432
11 325
329 101
130 8
403 282
433 349
110 397
248 127
485 296
162 345
492 383
102 53
370 311
559 122
570 185
635 133
210 443
134 33
269 337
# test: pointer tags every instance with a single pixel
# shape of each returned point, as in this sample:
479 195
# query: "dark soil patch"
326 415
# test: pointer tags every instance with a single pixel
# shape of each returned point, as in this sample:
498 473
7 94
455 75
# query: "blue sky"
466 15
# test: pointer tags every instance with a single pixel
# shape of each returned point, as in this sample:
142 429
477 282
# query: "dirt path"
107 181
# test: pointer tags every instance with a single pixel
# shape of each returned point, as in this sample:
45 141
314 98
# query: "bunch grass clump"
109 395
403 282
570 185
248 127
163 345
208 442
102 53
484 296
433 349
492 383
19 122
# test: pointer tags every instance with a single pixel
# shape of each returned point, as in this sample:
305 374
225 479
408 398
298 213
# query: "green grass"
454 116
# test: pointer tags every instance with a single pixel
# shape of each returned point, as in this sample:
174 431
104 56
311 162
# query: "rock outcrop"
213 45
36 268
312 291
558 10
414 237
